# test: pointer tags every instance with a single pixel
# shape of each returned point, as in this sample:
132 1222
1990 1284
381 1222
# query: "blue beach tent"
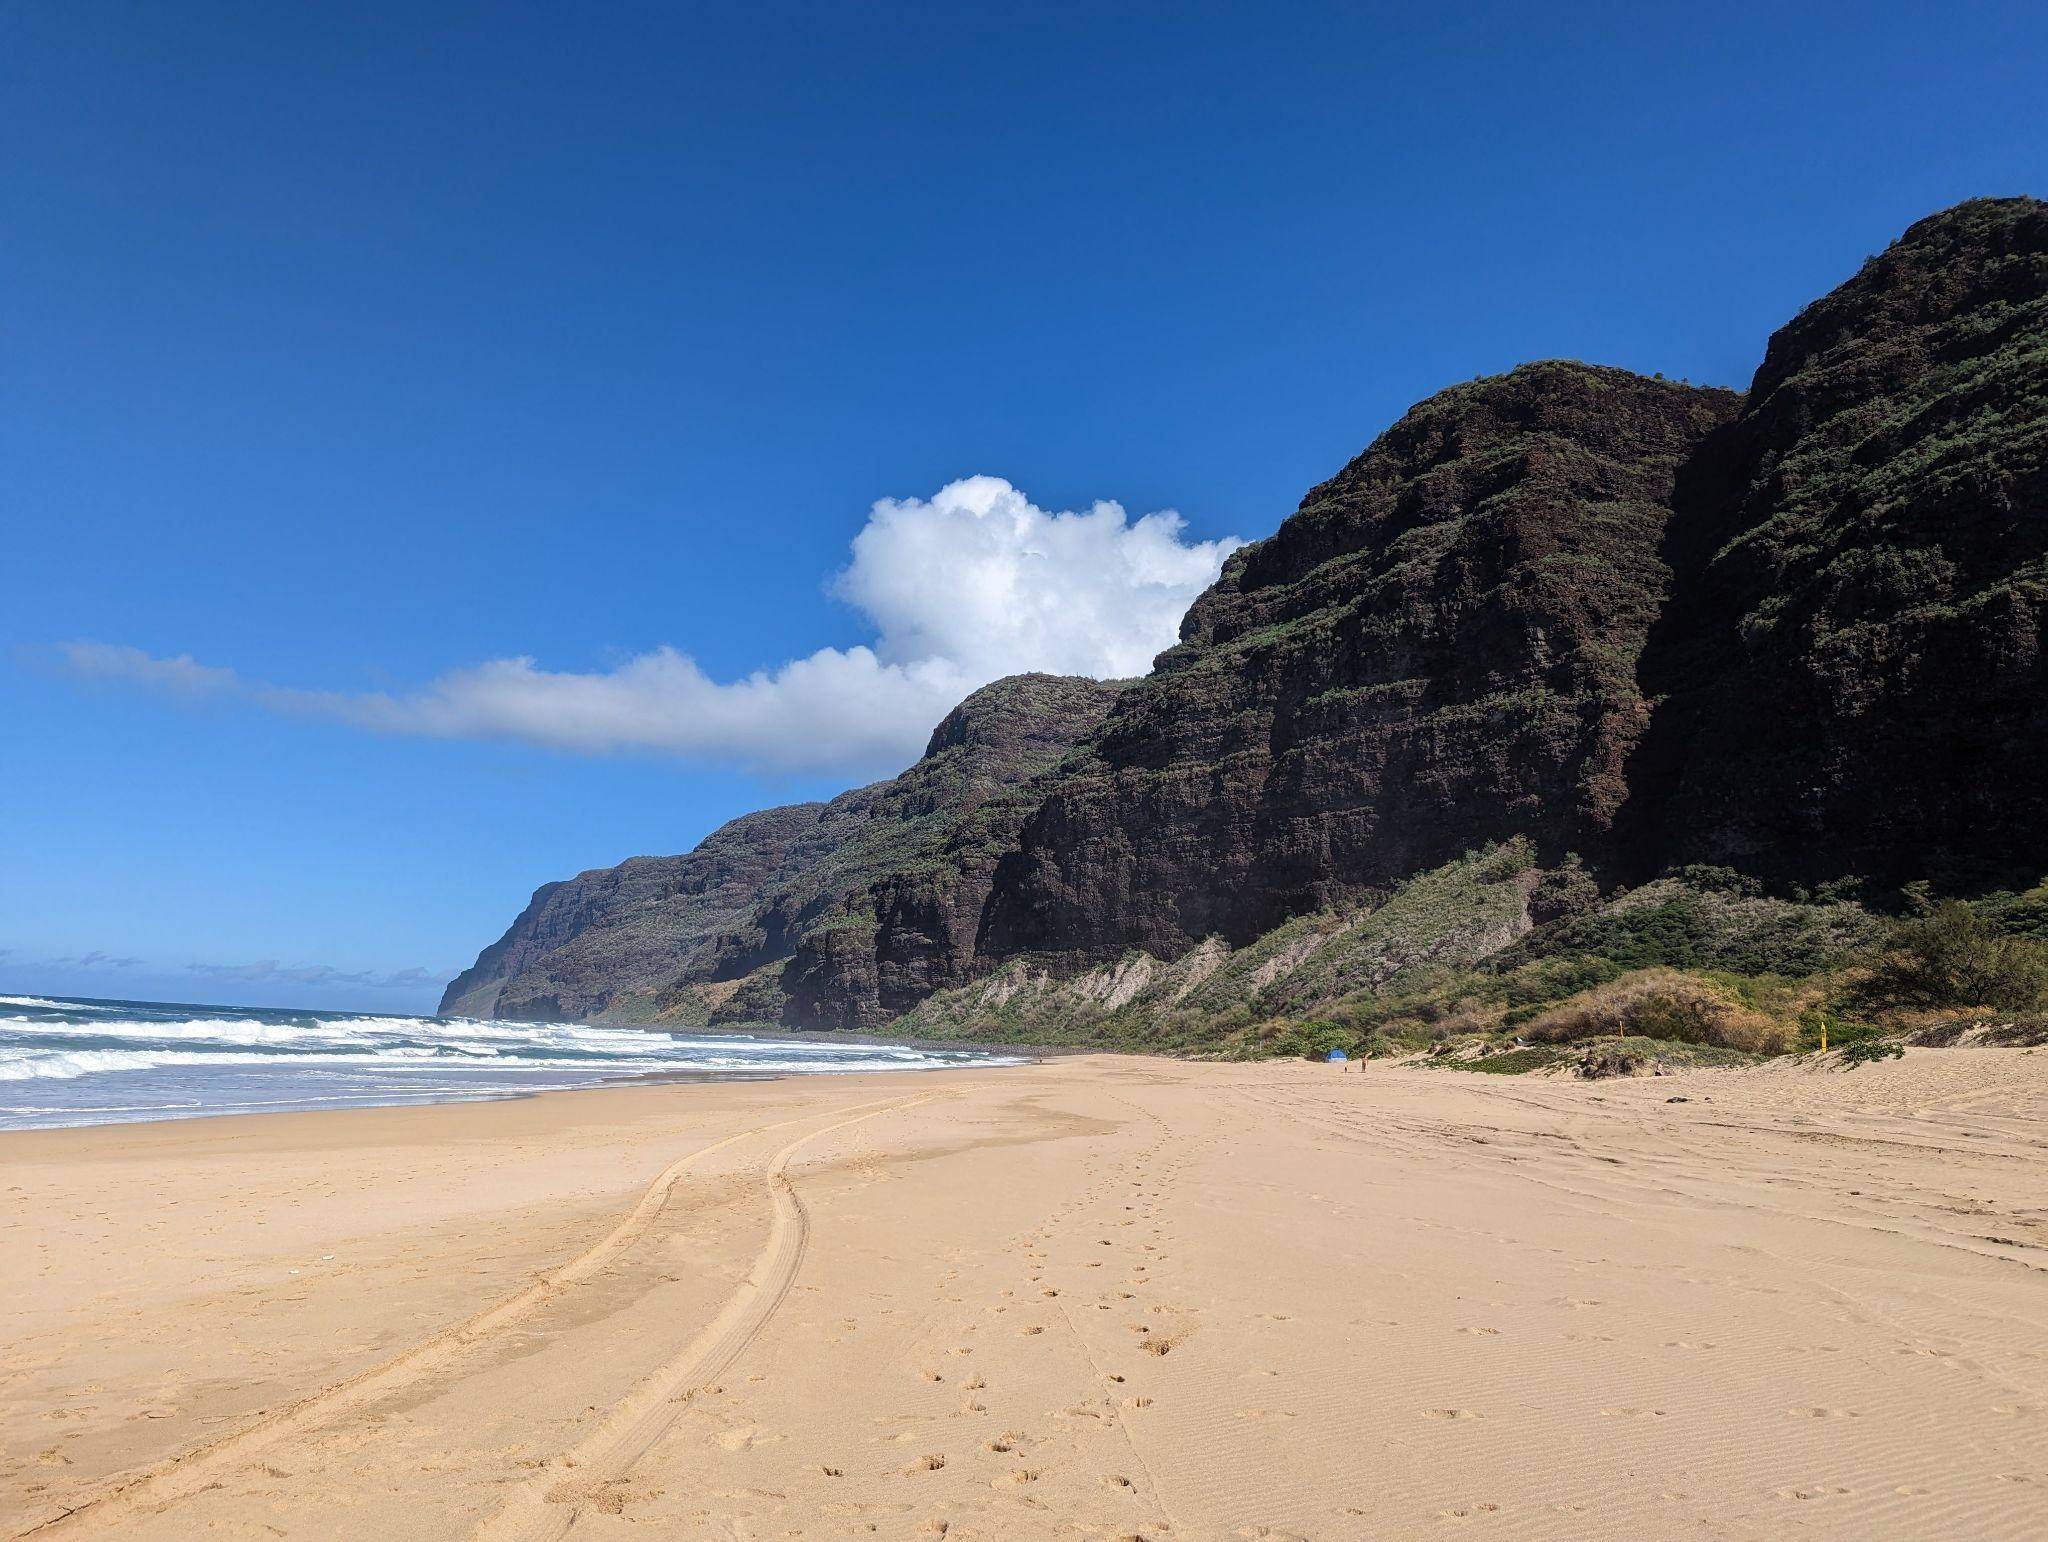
1337 1055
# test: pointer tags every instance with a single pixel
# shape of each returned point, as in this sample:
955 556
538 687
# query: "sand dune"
1100 1297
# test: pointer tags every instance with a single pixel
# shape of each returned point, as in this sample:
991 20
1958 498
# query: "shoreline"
87 1064
863 1036
1154 1297
426 1106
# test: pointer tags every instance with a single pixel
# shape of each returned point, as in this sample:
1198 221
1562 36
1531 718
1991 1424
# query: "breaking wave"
86 1062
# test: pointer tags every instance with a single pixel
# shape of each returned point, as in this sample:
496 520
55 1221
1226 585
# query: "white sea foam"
18 1064
312 1033
87 1062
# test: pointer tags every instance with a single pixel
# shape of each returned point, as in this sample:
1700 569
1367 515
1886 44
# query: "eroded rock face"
825 910
907 921
604 942
1797 633
1438 649
1831 593
1854 664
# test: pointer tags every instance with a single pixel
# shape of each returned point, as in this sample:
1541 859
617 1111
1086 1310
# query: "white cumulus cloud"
971 584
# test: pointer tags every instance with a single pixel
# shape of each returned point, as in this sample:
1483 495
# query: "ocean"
76 1062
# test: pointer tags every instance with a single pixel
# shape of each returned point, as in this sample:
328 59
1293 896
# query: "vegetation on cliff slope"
1453 963
1569 676
1854 658
711 936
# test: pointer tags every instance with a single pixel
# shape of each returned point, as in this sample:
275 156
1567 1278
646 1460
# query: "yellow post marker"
1823 1033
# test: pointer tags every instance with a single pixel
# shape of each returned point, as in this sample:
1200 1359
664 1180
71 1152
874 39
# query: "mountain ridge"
1617 624
706 937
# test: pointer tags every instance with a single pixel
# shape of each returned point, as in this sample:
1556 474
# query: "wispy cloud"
96 960
269 971
971 584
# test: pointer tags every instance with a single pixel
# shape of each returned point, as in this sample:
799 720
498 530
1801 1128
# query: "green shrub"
1864 1051
1664 1004
1953 957
1718 880
1707 918
2024 915
1313 1040
1565 890
1514 1062
1530 987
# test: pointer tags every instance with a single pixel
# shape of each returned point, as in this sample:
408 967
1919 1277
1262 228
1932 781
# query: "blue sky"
348 350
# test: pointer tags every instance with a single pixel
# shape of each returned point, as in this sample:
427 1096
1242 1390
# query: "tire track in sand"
546 1507
199 1467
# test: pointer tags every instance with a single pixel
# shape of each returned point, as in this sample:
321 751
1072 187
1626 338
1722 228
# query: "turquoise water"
75 1062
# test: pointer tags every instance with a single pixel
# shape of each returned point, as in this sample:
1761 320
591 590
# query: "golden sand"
1100 1297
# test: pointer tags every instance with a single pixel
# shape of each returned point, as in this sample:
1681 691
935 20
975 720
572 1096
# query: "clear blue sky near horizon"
349 347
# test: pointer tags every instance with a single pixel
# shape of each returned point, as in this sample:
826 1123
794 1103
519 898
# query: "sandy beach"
1098 1297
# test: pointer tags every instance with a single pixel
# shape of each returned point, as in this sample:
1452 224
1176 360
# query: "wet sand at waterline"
1101 1297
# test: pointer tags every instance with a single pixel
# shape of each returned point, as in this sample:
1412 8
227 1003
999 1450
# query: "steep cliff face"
816 913
1795 633
1829 592
1855 663
607 941
1439 648
906 898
